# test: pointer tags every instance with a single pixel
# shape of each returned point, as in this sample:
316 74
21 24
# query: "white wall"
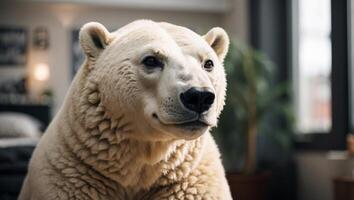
190 5
316 171
236 20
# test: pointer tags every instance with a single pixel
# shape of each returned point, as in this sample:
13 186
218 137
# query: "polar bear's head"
164 81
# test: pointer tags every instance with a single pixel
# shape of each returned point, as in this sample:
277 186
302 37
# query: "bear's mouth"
191 125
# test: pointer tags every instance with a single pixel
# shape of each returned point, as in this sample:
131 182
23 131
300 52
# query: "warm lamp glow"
41 72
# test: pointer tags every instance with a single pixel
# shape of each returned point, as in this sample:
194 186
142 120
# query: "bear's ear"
94 37
218 39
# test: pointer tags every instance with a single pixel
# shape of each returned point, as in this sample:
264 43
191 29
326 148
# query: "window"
312 39
321 93
312 60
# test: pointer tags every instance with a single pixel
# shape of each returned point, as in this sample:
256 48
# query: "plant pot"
248 187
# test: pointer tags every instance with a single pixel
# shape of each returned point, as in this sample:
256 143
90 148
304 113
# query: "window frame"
271 31
350 32
335 139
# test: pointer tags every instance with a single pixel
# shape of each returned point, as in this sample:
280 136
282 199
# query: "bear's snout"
198 100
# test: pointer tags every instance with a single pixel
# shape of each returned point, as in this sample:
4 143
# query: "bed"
16 150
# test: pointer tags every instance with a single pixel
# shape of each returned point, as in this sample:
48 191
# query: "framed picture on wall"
78 55
13 46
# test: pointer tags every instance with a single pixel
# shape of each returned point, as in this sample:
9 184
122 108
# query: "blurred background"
285 132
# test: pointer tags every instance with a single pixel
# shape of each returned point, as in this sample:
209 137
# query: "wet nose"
198 100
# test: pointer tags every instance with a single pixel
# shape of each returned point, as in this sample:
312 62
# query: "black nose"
197 99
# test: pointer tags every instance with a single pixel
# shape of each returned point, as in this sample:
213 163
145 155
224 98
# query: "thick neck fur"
103 142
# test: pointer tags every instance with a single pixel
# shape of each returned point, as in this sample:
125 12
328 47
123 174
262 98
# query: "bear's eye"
152 62
208 65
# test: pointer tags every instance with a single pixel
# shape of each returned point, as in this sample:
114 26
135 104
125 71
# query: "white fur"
105 143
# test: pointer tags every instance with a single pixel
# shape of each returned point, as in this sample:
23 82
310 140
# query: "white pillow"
16 125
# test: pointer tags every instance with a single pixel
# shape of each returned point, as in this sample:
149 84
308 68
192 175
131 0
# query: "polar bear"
135 122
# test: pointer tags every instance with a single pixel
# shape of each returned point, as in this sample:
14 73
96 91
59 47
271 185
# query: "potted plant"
255 99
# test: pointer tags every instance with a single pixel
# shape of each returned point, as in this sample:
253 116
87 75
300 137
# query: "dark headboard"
39 111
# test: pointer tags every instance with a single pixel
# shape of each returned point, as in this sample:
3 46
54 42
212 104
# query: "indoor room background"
300 52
